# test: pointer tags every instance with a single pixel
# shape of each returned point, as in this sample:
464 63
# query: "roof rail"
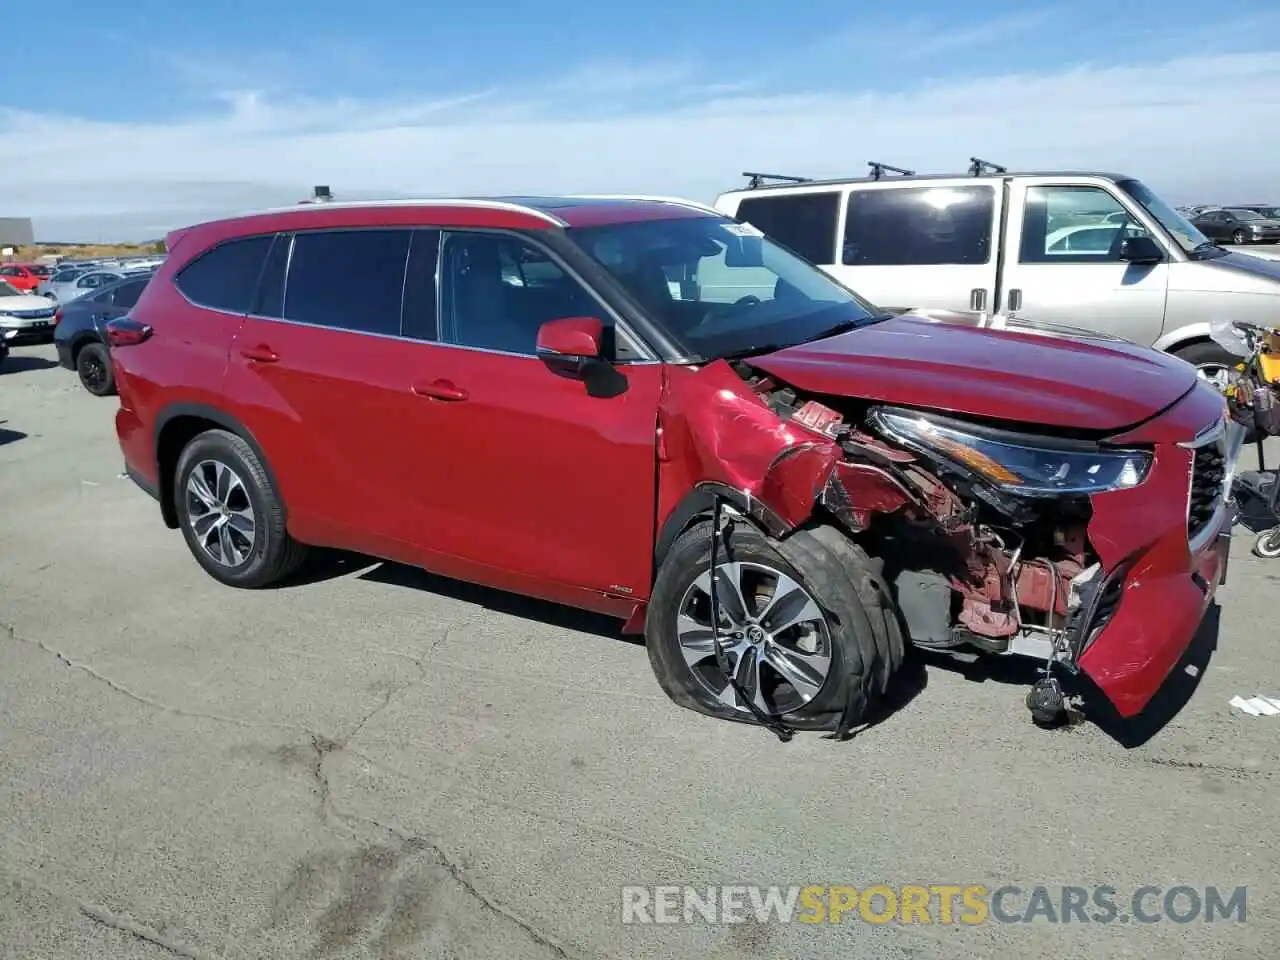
757 179
878 170
978 167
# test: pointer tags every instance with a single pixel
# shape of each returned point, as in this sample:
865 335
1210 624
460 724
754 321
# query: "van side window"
347 279
225 277
497 290
919 226
803 222
1074 225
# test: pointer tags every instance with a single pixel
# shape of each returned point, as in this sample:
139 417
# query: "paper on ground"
1257 706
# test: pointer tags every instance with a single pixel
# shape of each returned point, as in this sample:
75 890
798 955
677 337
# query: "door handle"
261 353
1015 300
978 299
440 390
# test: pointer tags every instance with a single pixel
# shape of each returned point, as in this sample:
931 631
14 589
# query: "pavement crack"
100 915
114 685
1240 773
133 695
417 844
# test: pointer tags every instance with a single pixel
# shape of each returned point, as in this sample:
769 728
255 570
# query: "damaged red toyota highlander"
557 396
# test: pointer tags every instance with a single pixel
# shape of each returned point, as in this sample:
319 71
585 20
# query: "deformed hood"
1036 378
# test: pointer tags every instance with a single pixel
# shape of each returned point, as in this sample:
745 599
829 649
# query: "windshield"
9 291
1184 234
721 288
1244 214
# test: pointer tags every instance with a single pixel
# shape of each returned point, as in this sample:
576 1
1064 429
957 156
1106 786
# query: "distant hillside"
83 250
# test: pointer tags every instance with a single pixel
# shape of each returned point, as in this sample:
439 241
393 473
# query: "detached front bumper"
1166 572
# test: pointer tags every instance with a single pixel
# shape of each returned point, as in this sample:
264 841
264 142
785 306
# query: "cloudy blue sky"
121 120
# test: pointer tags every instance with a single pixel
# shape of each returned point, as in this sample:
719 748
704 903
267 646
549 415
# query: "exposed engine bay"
971 565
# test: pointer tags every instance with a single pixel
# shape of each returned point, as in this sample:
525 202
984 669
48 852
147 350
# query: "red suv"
567 398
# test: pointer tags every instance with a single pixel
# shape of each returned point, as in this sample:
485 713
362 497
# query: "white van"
1089 250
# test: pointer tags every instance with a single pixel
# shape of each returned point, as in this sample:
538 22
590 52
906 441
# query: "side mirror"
1140 250
571 338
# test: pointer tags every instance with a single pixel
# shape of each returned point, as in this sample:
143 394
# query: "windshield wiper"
844 326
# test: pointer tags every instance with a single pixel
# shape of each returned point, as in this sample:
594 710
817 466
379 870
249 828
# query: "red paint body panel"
1162 606
981 372
716 429
24 279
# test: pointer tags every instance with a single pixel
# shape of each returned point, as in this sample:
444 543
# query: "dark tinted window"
497 291
347 279
270 298
225 277
127 294
805 222
919 225
419 317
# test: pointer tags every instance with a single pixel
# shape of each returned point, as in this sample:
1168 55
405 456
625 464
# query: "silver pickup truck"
1087 250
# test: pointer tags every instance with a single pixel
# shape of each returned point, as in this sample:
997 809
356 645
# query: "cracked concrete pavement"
375 762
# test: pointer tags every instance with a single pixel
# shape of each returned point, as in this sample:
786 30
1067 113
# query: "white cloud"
1194 127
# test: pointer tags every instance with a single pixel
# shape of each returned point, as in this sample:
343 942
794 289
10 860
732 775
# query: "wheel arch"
82 341
699 504
1184 336
176 426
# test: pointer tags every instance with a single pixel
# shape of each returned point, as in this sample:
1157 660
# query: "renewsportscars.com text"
967 904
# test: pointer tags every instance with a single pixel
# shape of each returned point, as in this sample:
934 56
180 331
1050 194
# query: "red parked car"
24 276
557 396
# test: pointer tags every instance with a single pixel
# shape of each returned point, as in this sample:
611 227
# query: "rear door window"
126 295
226 277
803 222
919 226
348 279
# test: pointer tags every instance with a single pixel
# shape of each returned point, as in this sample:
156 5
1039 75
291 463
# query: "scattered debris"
1258 706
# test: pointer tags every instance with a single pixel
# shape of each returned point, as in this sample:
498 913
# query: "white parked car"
28 316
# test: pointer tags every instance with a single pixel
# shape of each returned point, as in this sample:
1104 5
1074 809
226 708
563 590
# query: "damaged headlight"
1021 465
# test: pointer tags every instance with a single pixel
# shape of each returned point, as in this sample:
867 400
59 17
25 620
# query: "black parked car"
1238 225
80 333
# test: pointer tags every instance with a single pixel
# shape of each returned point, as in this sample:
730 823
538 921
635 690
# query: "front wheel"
1212 362
230 513
1267 545
803 634
1239 238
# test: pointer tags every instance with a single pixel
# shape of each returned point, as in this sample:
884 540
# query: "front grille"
1208 477
31 314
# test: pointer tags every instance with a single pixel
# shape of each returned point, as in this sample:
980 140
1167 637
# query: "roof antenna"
319 194
878 170
978 167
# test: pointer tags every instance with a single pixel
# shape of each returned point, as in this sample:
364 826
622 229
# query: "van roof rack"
878 170
978 167
757 179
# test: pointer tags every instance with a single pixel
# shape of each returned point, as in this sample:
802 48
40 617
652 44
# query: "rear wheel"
230 513
795 630
93 366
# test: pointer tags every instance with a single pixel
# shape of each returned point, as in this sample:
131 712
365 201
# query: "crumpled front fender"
717 435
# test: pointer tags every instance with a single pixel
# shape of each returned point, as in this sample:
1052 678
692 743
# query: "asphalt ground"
375 762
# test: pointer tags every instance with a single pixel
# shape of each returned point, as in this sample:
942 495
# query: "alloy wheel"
1219 374
93 373
220 513
773 634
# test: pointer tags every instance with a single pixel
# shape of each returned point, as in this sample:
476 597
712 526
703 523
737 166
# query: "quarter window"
225 277
498 290
919 226
347 279
803 222
1074 225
